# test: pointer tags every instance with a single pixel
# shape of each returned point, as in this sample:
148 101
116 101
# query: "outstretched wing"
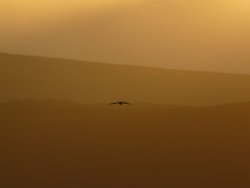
113 103
127 103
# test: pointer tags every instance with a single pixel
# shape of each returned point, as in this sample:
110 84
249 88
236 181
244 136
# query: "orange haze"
184 34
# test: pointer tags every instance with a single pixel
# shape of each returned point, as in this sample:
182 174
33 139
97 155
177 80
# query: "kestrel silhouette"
120 103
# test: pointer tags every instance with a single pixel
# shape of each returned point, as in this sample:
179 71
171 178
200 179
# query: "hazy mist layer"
186 34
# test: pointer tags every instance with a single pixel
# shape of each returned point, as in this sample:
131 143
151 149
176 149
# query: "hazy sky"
182 34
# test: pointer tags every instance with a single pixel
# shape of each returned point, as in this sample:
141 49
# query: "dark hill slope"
87 82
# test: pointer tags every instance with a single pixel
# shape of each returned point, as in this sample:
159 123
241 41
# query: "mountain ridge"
91 82
71 60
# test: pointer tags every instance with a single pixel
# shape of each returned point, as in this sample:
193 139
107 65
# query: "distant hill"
24 77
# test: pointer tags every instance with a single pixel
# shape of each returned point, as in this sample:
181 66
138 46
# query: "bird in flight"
120 103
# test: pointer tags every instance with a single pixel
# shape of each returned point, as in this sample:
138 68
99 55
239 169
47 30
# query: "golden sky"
186 34
29 11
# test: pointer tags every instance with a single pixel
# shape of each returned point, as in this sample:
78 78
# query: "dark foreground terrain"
65 145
